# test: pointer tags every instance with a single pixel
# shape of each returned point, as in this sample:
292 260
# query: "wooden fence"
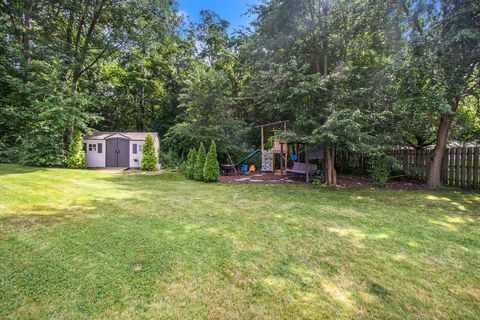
460 166
351 163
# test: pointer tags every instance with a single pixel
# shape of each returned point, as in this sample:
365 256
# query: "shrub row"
203 166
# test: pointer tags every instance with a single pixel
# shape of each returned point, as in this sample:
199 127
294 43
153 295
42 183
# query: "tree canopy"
357 76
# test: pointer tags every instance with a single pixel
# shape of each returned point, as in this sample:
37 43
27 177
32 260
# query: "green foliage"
149 155
76 154
41 148
268 144
190 166
60 70
199 163
331 91
209 114
436 72
381 168
351 74
171 160
211 167
35 114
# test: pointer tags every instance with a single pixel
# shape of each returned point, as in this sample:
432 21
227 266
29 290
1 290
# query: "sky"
234 11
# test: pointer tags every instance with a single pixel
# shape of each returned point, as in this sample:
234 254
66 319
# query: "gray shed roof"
102 135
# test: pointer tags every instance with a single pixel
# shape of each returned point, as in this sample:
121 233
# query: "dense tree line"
361 76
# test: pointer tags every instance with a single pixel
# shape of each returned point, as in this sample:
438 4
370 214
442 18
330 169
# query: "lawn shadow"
43 215
8 169
153 240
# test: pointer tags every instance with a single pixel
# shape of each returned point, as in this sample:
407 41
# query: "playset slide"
251 155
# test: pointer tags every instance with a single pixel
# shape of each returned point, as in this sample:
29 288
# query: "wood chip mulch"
342 180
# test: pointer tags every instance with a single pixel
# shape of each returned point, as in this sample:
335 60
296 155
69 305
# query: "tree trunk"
26 21
436 156
142 106
79 68
331 173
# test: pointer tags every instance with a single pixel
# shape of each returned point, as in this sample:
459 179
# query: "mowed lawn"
86 244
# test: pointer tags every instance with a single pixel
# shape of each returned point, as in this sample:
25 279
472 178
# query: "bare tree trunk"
26 20
331 173
79 69
142 106
329 149
436 156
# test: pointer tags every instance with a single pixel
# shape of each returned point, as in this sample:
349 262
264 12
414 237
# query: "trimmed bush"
381 167
76 154
190 167
201 155
210 169
149 155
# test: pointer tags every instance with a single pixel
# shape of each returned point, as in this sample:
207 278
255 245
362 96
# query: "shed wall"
94 158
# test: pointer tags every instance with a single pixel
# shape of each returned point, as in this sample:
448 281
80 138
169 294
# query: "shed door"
122 147
117 152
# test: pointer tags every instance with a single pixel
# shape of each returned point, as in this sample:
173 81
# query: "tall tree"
306 55
54 77
439 69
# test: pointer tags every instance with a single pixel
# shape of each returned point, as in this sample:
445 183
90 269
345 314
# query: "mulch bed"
342 180
260 178
357 181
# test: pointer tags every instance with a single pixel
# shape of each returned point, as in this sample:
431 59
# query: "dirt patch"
260 178
111 169
342 180
358 181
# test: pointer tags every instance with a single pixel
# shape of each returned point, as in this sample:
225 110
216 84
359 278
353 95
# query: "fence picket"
460 166
405 161
451 175
468 181
444 172
457 166
476 154
463 175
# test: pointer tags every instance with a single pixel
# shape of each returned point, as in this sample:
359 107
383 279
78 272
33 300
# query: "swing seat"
301 168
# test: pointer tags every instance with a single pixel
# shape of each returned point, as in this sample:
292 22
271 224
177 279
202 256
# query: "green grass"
86 244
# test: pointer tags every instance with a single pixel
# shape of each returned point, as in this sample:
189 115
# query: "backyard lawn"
87 244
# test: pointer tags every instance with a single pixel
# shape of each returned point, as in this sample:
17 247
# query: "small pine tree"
201 154
76 154
190 167
149 155
210 169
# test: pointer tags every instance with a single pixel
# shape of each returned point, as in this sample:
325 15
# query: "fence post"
469 167
427 162
457 166
476 154
415 161
405 160
411 155
424 164
444 172
464 167
452 167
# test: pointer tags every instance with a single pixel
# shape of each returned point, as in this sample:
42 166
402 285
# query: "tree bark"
142 106
436 156
79 67
331 173
416 25
26 20
78 70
